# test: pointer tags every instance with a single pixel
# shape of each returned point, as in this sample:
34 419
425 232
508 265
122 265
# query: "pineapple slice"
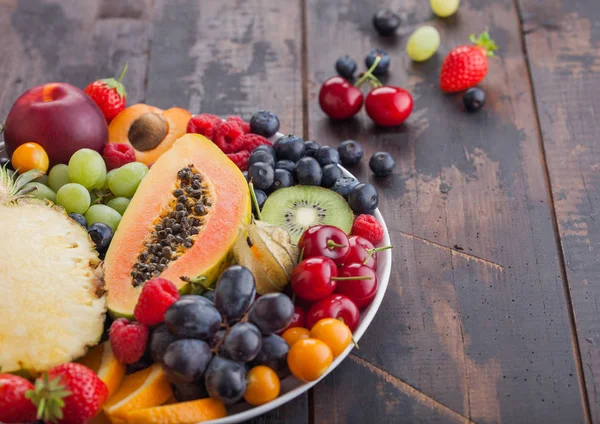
51 302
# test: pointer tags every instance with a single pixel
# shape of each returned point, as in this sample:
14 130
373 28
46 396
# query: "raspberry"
240 159
245 126
156 297
128 340
252 141
204 124
368 227
227 136
117 154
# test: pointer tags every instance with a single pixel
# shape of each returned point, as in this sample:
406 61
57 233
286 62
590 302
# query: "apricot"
149 130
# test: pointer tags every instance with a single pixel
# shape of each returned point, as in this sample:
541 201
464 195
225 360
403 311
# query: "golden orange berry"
262 385
332 332
292 335
309 359
30 156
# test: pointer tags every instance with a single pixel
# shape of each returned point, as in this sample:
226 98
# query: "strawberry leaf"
485 42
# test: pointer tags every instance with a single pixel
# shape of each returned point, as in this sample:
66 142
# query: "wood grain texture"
563 42
485 332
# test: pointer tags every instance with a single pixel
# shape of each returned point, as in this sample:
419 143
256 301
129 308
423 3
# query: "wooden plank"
562 39
231 57
475 316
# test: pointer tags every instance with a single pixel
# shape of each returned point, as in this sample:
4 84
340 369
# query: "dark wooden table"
492 312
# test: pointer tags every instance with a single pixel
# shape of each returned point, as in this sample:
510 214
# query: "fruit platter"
161 266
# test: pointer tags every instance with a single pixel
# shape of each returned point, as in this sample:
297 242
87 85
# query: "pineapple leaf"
11 189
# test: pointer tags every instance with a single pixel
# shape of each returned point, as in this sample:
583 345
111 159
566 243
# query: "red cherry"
360 291
358 252
339 99
298 319
335 306
312 279
389 106
324 240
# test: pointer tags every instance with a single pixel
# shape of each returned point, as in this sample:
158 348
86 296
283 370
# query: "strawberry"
465 66
109 94
15 407
68 394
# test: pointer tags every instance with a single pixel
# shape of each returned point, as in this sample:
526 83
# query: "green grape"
119 204
104 214
58 176
41 192
125 181
86 167
74 198
423 43
108 174
444 8
42 180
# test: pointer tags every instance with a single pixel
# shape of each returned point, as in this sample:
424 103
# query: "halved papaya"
181 224
149 130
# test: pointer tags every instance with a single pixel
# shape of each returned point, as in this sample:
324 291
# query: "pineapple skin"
52 303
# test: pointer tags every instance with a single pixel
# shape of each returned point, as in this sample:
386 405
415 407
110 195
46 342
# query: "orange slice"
190 412
102 361
143 389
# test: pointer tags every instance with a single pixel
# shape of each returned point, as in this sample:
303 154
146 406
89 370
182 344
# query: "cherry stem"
356 277
373 251
369 73
354 342
254 200
301 255
123 72
332 245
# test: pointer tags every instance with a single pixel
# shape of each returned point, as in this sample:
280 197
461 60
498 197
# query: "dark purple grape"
272 312
225 380
217 338
159 341
273 354
186 360
184 392
210 295
189 319
243 342
235 292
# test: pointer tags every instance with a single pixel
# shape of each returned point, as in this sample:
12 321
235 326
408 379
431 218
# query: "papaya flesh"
181 224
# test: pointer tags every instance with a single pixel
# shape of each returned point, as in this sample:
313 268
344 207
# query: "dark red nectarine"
59 117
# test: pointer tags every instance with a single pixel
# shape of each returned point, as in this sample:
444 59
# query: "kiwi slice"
300 207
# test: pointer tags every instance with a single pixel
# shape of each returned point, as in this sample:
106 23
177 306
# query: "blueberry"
474 99
382 164
185 392
80 219
384 63
264 123
245 174
386 22
265 147
290 147
311 147
331 173
261 175
186 360
346 67
210 295
288 165
351 152
343 186
193 319
261 198
363 199
261 156
326 155
101 234
308 171
283 179
159 341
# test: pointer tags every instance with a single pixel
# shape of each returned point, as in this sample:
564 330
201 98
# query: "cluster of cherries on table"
336 277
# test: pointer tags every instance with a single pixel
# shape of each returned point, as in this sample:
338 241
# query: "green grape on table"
103 214
126 179
423 43
86 167
74 198
444 8
41 191
119 204
58 176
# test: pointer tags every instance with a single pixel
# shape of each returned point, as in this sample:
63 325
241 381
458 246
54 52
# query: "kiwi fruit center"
147 131
301 207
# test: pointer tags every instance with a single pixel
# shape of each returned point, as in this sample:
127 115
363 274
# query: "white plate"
291 387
